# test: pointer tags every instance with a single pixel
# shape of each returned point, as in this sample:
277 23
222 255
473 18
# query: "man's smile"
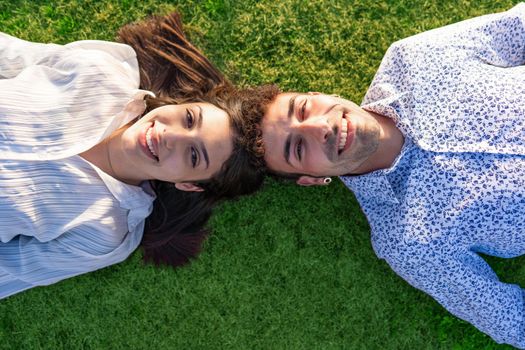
346 135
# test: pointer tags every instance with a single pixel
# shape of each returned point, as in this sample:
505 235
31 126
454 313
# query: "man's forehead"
278 109
274 142
275 129
276 118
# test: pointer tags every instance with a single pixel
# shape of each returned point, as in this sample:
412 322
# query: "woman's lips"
144 143
152 145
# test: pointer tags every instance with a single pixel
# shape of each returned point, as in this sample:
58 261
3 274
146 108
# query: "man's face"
318 135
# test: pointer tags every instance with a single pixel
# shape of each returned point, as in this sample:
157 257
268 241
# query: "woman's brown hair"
177 72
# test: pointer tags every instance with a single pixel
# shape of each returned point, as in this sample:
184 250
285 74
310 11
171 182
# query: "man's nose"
317 128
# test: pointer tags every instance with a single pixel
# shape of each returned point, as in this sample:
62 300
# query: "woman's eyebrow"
199 120
205 154
203 147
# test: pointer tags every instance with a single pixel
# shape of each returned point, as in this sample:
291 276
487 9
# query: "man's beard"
367 143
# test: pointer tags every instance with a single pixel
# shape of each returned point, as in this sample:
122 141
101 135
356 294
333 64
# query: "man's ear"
188 187
311 181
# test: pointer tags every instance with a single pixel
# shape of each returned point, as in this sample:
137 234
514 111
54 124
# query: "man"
435 156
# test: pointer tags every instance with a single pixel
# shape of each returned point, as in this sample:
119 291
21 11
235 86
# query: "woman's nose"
172 137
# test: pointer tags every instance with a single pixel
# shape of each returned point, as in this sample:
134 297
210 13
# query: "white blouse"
60 215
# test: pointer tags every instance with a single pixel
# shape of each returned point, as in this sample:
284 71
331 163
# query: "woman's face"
177 143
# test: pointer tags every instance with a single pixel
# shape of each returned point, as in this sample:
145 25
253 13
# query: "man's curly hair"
255 102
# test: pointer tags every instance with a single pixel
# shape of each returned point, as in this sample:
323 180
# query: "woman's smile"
146 141
168 143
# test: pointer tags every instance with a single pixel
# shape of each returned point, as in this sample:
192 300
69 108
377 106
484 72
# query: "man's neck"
390 144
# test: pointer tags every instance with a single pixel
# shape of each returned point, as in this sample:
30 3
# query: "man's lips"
346 134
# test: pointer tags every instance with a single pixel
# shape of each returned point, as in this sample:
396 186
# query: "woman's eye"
299 149
193 157
189 119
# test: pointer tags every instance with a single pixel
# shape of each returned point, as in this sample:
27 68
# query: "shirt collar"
129 196
372 186
375 185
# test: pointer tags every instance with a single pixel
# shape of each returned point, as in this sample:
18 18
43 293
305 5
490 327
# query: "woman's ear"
188 187
313 181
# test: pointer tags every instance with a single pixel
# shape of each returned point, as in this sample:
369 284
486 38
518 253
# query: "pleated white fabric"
61 216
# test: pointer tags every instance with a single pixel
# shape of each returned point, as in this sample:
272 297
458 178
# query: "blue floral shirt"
457 189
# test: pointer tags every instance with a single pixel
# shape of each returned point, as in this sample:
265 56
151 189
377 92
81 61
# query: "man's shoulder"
463 32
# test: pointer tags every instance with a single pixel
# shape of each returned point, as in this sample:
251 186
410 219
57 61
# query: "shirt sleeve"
496 39
468 288
17 54
26 262
58 101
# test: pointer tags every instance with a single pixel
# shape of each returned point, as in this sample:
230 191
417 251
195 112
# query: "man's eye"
194 157
299 149
303 109
189 119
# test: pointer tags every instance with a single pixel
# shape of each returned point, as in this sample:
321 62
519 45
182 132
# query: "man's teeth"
150 142
344 134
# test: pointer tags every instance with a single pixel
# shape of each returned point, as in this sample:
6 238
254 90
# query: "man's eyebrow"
291 106
203 148
287 144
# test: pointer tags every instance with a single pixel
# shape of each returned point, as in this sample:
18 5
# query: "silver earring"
327 180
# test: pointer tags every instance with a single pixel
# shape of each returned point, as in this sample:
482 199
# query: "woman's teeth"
149 141
344 134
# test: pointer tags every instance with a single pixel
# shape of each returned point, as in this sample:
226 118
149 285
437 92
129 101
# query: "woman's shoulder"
118 51
111 60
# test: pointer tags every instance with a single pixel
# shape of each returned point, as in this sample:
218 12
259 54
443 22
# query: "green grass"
288 268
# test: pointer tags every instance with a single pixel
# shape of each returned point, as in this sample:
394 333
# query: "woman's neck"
102 155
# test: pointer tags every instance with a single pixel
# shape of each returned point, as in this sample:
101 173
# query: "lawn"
288 268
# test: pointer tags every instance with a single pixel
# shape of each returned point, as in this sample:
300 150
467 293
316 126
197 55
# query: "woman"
75 156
